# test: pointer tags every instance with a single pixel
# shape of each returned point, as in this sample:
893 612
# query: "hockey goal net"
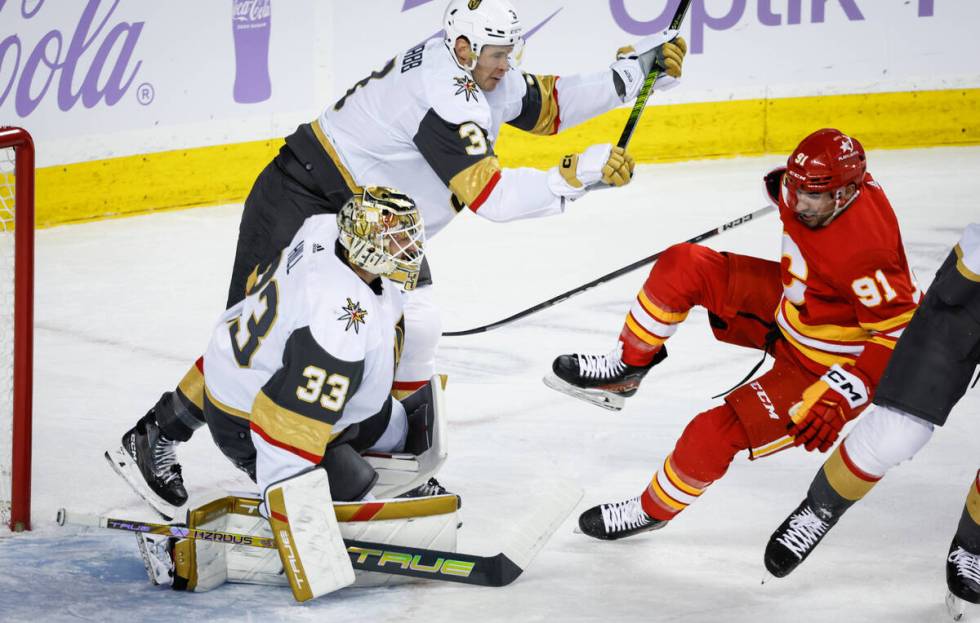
16 324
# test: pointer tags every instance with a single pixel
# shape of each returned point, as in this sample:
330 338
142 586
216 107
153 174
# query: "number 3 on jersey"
246 340
478 144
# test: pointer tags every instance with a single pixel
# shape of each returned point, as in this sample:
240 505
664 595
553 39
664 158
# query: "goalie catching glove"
599 163
663 51
827 406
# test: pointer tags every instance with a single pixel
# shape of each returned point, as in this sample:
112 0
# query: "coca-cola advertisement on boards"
251 24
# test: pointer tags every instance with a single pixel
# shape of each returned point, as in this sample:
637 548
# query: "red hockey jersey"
848 291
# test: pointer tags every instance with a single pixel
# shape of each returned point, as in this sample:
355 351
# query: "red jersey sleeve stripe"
491 184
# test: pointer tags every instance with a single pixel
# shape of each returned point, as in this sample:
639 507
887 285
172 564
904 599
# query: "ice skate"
617 520
147 461
794 539
962 578
603 380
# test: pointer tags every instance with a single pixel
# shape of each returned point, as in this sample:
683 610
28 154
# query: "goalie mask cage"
16 324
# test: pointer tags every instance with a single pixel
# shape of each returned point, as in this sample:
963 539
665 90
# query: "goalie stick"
609 276
527 536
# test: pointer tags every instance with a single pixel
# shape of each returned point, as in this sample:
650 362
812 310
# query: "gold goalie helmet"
381 229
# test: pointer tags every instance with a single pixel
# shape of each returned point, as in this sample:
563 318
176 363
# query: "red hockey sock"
702 455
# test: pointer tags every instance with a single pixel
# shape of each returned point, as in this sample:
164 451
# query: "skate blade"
123 464
766 577
598 397
955 605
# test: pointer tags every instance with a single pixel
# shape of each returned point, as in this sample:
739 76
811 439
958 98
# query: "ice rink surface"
124 306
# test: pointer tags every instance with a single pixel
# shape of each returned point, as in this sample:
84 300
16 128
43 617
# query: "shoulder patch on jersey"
466 86
354 315
452 93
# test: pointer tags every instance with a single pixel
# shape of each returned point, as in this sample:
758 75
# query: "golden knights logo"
474 4
354 315
466 86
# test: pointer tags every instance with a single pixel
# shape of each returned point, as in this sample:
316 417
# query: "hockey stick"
647 88
609 276
526 540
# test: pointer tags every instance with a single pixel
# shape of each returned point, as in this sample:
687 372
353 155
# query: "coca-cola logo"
65 64
251 10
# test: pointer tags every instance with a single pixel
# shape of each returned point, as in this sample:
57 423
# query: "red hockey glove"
827 405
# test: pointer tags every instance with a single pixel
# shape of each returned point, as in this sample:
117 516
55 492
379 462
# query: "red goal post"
16 323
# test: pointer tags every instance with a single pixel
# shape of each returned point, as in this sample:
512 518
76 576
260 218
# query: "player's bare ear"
462 49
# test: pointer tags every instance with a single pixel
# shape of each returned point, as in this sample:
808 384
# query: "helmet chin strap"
838 206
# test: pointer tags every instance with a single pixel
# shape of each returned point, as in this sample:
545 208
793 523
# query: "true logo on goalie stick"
354 315
444 566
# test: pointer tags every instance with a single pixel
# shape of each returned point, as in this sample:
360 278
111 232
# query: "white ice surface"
124 306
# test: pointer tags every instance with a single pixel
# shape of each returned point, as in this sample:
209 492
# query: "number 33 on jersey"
311 350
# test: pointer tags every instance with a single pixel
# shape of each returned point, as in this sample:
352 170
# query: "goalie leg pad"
304 526
399 473
421 522
200 566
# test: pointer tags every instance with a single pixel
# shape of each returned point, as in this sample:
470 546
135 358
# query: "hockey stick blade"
711 233
527 538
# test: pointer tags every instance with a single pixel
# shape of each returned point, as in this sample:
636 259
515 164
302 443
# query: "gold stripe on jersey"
642 333
401 509
848 484
891 323
548 117
328 147
192 386
659 313
469 183
962 267
226 409
287 428
887 342
823 332
822 357
973 500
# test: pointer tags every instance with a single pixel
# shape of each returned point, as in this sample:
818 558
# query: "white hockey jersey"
422 125
311 350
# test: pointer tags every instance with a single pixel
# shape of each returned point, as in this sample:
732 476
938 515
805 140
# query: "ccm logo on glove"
847 385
